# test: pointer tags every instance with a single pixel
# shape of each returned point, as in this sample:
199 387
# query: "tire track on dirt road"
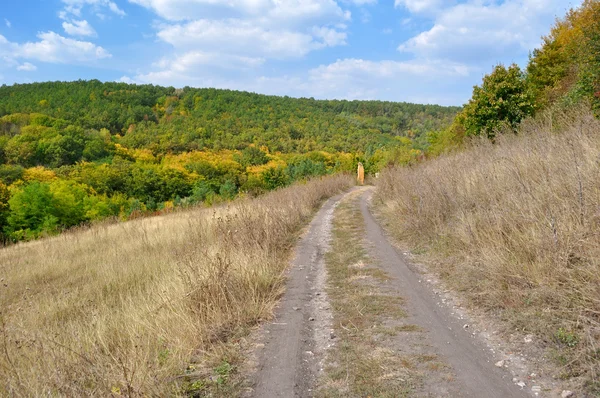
471 362
295 344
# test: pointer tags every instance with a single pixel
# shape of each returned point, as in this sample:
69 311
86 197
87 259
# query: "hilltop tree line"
77 152
563 72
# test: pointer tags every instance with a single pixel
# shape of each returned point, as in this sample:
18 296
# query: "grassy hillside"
143 308
84 151
515 227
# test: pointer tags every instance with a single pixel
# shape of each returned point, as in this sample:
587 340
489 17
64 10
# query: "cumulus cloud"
79 28
483 33
54 48
364 2
330 37
423 82
7 23
212 35
237 37
289 12
196 67
423 6
27 67
74 7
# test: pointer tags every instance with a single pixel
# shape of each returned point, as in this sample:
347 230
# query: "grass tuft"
151 307
515 226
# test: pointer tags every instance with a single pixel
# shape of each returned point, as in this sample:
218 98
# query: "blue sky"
425 51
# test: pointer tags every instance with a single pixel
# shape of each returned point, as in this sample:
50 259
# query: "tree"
275 178
252 156
4 206
31 211
502 100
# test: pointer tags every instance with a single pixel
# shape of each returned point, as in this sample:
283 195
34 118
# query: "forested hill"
73 153
167 120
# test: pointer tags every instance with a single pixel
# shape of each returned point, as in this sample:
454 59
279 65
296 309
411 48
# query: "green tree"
252 156
228 190
68 202
502 100
31 211
4 206
275 178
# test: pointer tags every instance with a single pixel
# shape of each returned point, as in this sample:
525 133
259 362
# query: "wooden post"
361 174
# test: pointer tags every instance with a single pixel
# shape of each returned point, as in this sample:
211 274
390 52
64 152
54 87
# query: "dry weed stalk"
122 309
516 226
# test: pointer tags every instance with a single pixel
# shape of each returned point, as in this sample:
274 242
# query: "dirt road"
294 343
297 342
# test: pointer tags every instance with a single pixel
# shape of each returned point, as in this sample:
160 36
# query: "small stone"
500 364
311 319
466 326
332 335
567 394
533 375
528 338
309 353
536 389
296 308
521 384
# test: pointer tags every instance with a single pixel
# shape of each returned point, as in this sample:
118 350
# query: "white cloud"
74 6
287 12
358 69
245 38
195 66
79 28
127 79
188 62
364 2
114 8
7 22
414 81
53 48
485 32
214 41
330 37
423 6
421 82
27 67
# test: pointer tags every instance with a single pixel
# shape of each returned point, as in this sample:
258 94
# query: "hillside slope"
146 307
84 151
514 226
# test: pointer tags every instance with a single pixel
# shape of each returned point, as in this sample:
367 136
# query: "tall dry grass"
515 225
122 309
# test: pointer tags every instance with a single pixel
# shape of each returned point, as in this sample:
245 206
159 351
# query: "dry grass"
362 362
516 226
123 309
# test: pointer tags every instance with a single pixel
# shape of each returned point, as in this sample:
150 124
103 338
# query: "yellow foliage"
274 163
124 152
39 173
143 155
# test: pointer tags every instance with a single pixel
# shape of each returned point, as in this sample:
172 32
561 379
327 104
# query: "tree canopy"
86 150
